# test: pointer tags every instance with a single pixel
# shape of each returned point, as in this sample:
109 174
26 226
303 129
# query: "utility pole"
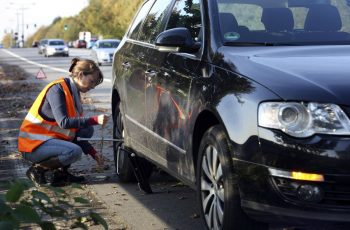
11 38
22 36
17 29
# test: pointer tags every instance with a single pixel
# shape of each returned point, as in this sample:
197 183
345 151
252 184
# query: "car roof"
108 40
55 39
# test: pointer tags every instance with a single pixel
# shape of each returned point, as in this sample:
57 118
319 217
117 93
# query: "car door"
133 65
139 51
169 80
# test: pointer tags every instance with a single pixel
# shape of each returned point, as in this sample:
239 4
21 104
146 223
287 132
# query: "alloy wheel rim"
212 188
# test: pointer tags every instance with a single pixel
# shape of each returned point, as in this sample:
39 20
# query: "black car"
246 101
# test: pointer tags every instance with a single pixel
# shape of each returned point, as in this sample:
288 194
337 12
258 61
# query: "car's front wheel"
218 187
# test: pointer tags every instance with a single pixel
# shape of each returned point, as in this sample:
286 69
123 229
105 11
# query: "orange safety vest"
35 130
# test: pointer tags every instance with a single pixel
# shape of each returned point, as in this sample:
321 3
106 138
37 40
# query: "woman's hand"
99 159
102 119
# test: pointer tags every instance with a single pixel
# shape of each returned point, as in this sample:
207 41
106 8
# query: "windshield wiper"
295 43
262 44
249 44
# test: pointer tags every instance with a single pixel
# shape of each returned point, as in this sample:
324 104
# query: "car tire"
217 186
122 163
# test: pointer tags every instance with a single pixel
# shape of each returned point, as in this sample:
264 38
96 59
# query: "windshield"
109 44
56 43
284 22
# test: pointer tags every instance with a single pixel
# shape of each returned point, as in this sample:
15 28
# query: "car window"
285 21
247 15
56 43
136 25
152 25
186 13
108 44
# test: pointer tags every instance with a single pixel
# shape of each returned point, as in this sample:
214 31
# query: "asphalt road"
172 206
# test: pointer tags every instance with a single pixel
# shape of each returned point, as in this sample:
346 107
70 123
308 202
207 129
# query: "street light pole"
22 26
17 29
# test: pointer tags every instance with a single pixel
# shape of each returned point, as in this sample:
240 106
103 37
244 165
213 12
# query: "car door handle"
126 65
150 74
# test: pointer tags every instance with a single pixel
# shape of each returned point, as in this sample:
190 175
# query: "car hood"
303 73
105 50
57 47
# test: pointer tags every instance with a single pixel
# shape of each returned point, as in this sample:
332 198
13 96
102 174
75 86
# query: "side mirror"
177 40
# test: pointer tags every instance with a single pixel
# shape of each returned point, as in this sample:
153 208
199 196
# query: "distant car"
55 47
80 44
41 45
35 44
91 43
1 46
103 50
70 44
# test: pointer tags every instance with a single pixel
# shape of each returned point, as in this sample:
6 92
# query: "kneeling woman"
48 134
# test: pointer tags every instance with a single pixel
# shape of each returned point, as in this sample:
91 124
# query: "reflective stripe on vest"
57 129
35 129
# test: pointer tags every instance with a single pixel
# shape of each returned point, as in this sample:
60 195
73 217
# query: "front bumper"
296 217
57 52
272 198
105 59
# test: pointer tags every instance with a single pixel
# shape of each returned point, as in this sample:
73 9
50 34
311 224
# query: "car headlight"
65 49
304 120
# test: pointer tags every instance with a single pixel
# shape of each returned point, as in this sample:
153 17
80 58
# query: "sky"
39 12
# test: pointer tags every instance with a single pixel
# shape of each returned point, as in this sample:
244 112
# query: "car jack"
138 169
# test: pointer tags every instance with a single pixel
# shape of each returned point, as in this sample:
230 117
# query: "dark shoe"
37 175
61 177
74 179
51 163
58 179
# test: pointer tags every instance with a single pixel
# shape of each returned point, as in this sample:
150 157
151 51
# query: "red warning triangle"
40 74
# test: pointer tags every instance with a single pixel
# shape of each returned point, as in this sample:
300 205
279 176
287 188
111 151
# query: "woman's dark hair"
86 66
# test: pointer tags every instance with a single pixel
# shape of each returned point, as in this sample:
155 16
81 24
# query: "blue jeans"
66 151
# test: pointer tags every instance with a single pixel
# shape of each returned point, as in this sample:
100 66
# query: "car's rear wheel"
218 187
122 162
